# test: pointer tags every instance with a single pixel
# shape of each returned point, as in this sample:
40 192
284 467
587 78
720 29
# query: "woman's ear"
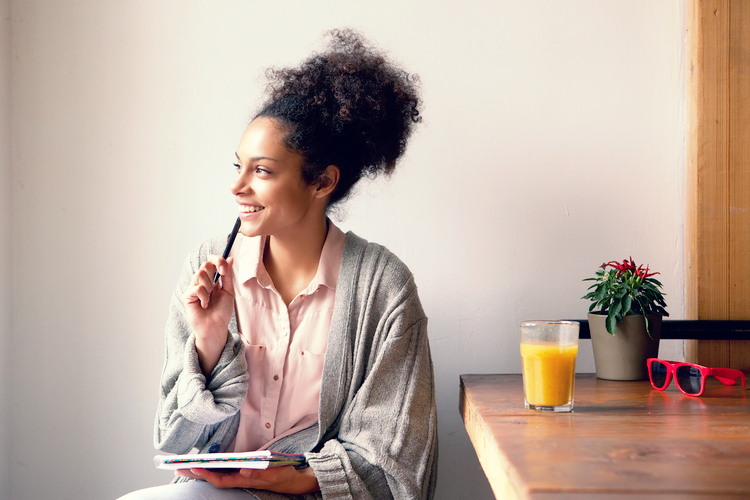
327 182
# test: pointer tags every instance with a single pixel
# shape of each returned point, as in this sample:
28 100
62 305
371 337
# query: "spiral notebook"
248 460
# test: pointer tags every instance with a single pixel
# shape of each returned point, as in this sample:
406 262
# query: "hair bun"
346 106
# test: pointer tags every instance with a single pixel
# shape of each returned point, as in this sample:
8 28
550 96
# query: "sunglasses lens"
658 374
689 378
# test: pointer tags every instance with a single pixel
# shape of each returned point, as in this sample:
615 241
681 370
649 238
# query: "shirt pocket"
308 375
256 358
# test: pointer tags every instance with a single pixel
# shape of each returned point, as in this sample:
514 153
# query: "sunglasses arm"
728 376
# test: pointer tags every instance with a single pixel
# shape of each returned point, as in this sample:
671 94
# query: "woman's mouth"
251 208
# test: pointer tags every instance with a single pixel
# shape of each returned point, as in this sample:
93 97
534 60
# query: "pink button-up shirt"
284 346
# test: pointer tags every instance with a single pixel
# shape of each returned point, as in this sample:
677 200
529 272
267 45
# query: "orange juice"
549 373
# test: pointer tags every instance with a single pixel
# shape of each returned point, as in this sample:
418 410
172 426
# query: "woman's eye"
261 170
237 166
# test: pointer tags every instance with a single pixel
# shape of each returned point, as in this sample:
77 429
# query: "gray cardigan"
376 435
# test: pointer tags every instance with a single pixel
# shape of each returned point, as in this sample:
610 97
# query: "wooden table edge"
505 480
505 483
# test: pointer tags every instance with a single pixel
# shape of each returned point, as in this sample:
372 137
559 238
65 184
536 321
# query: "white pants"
191 490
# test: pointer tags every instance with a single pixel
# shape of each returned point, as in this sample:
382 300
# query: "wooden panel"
740 355
714 353
718 175
739 159
710 74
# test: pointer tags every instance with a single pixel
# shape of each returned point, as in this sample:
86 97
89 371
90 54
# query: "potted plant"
624 319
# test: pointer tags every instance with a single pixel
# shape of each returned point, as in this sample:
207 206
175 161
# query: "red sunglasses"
690 378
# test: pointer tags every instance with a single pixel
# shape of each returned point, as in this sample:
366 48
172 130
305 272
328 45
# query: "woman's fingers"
279 479
200 289
227 280
219 479
186 473
203 294
220 265
203 281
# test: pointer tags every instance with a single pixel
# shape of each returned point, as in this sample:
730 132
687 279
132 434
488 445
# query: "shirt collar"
330 258
249 259
248 255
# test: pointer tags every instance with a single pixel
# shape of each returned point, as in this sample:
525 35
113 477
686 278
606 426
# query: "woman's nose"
239 185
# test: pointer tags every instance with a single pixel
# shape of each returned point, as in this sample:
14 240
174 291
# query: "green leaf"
616 309
627 301
611 323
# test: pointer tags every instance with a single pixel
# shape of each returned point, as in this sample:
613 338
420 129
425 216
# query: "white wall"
552 141
5 249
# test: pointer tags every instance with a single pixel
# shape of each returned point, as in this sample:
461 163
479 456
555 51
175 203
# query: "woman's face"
273 198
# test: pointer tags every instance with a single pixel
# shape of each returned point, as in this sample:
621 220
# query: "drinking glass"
548 351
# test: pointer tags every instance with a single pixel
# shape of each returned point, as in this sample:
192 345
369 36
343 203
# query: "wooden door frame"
717 234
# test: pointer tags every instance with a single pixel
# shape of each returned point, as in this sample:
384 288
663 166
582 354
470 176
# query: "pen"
230 242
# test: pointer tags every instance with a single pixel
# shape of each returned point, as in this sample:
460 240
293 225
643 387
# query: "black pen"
230 242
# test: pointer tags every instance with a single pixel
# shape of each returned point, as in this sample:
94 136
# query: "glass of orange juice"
548 351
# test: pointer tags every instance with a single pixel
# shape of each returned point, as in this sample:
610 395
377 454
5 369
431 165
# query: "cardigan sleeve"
386 445
193 411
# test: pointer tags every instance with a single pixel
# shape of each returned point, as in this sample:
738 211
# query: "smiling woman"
314 341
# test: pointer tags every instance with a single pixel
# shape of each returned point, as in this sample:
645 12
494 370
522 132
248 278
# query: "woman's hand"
284 479
209 309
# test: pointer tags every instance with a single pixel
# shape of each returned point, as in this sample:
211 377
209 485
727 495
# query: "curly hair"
348 106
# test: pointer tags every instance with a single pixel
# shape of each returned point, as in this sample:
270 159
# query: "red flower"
629 265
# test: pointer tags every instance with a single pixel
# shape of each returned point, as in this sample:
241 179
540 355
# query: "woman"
313 341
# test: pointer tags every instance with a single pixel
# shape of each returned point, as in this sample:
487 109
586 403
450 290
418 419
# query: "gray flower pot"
623 356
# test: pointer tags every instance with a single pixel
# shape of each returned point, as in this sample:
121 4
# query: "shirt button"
276 377
268 426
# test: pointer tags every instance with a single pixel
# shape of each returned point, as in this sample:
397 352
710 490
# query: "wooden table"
623 440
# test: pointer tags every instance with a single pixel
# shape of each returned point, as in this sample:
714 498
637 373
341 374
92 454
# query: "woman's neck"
292 260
